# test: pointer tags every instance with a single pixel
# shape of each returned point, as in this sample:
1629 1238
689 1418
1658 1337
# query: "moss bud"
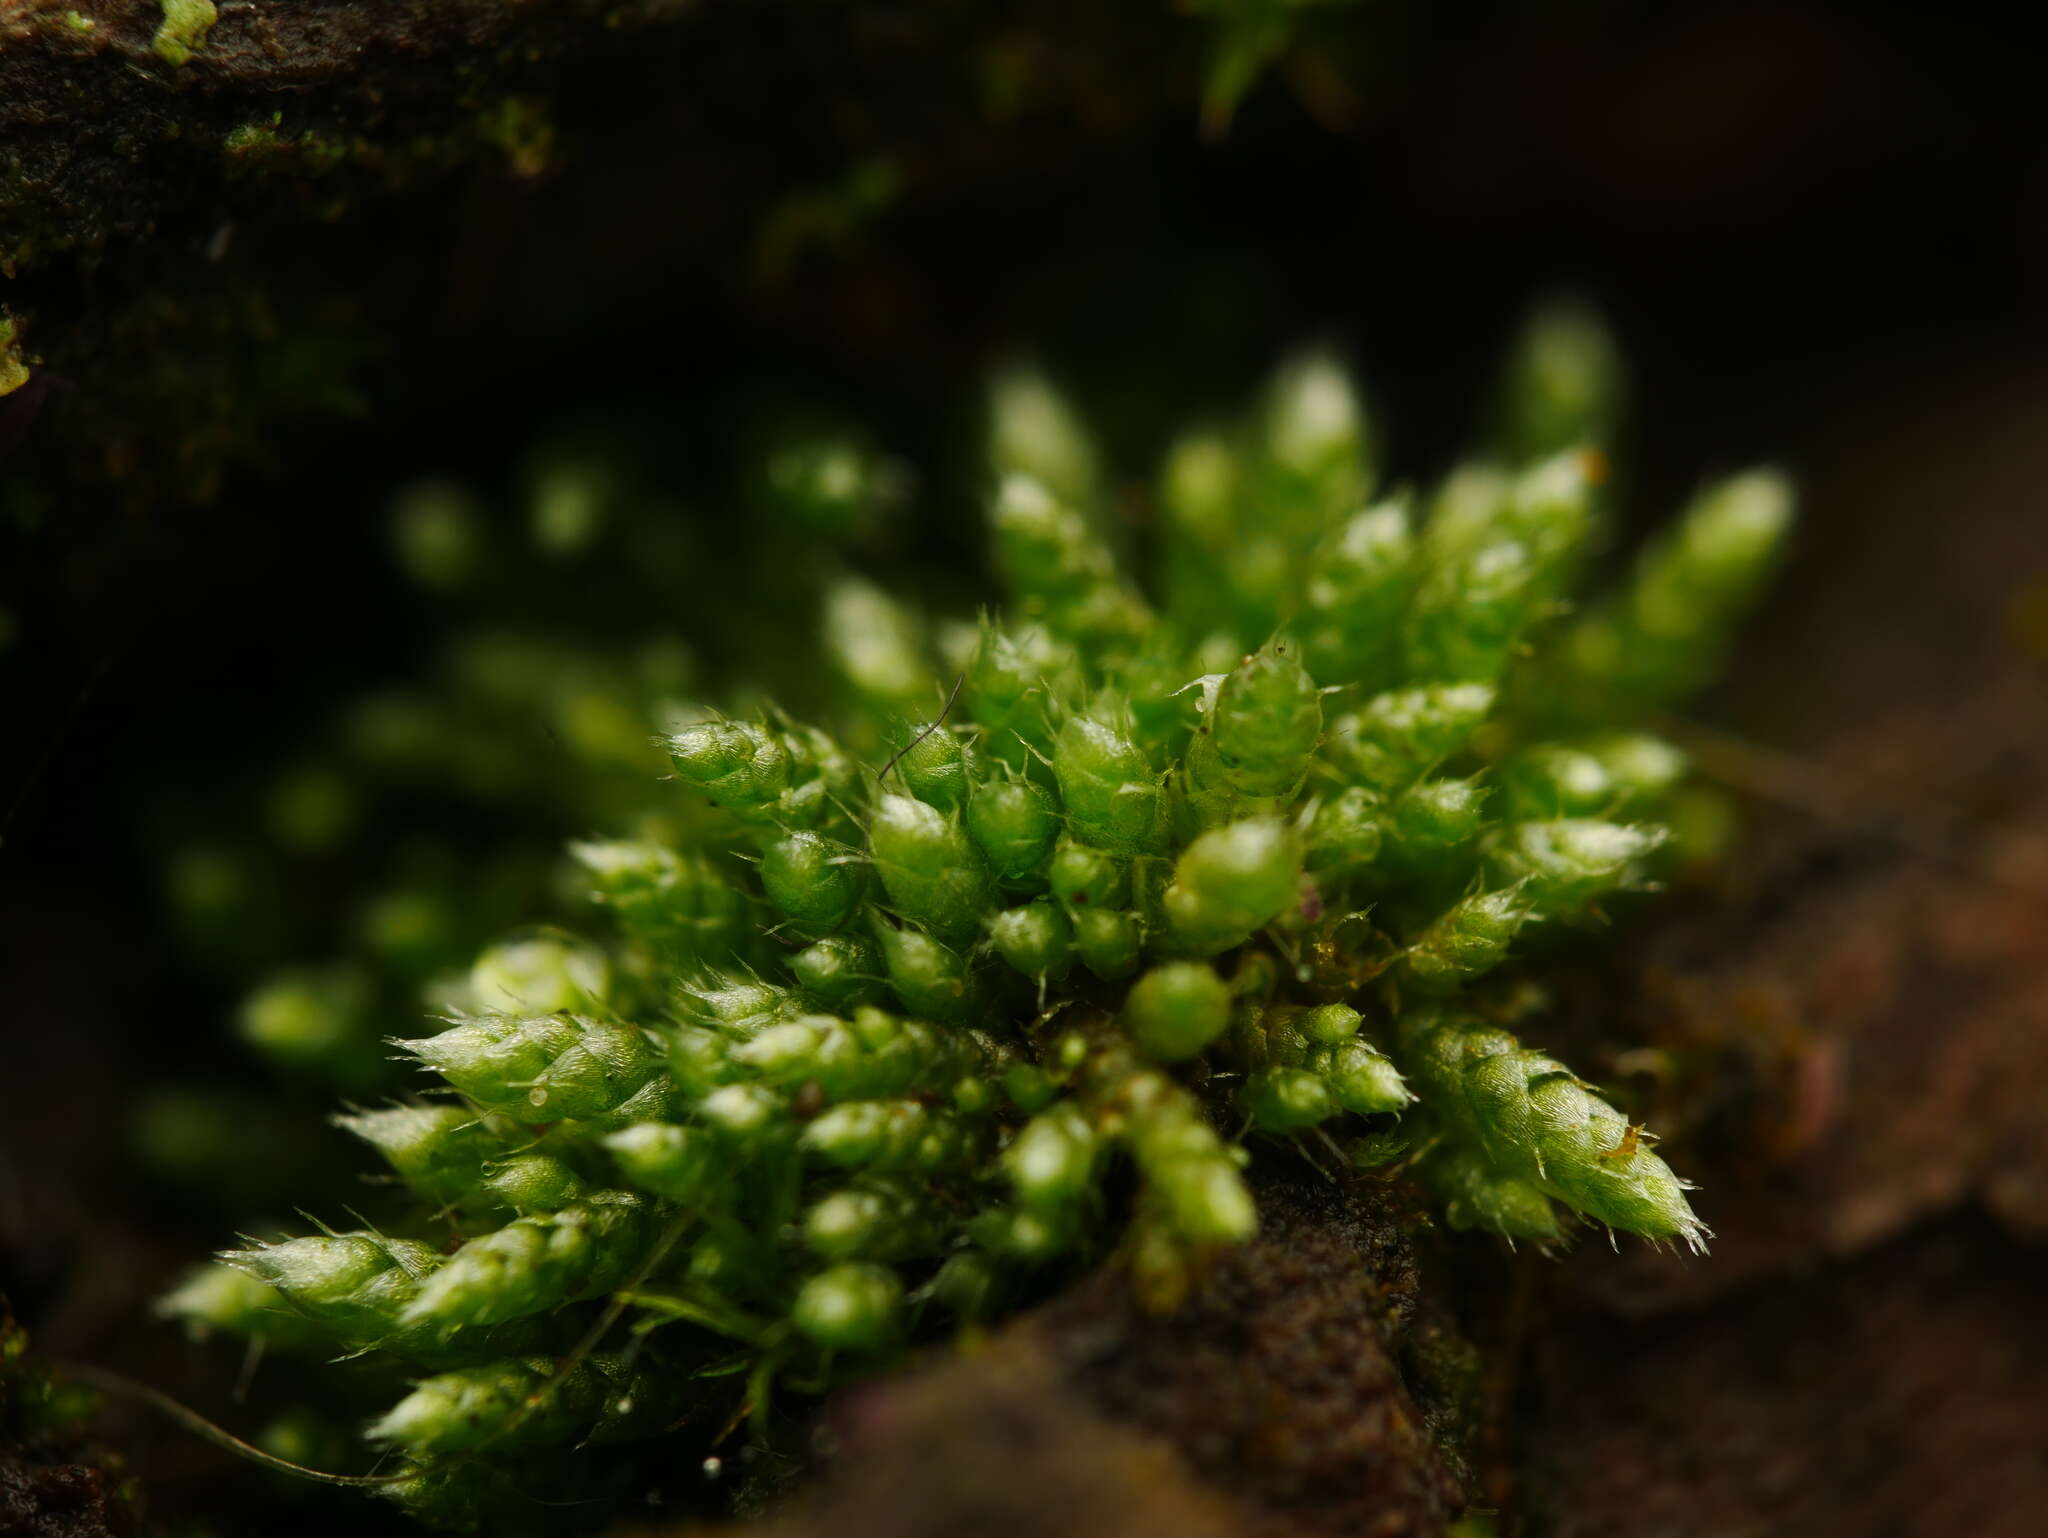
1177 1009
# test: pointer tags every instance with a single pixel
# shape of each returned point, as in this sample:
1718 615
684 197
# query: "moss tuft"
184 29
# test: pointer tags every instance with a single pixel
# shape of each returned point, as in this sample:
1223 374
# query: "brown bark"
1312 1383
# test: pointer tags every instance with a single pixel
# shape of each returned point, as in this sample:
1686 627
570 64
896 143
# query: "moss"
114 158
261 147
183 30
1008 1128
53 1479
13 372
827 220
522 127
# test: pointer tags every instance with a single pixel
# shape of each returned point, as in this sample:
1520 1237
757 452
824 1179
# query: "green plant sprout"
1011 959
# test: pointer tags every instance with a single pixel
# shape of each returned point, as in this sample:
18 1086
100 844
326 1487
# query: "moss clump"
183 31
13 372
262 147
522 127
954 988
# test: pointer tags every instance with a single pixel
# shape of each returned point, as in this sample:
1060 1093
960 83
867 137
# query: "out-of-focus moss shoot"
437 534
1661 638
316 1023
312 808
1287 1099
1059 567
1565 864
1397 737
1110 942
413 932
1356 591
877 646
221 1299
1051 1162
1563 387
1034 431
682 904
678 1164
1316 439
538 974
1175 1010
854 1306
832 484
569 498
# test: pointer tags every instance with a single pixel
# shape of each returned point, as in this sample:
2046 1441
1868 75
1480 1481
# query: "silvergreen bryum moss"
959 985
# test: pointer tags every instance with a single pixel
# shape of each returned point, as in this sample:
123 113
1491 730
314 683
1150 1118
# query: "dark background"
1821 233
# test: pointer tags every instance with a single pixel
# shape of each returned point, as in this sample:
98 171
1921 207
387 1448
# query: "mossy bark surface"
206 233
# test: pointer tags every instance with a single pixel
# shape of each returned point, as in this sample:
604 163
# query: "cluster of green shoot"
1010 964
359 874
